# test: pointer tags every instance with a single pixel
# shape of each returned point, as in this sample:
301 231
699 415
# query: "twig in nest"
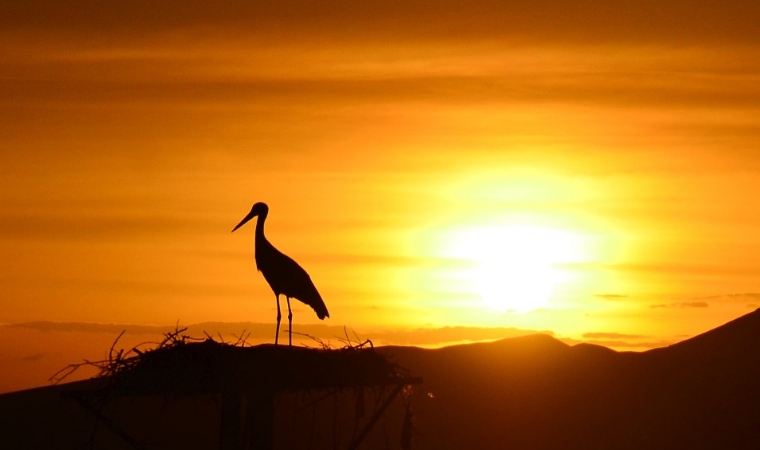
242 339
110 351
323 344
350 345
102 365
71 368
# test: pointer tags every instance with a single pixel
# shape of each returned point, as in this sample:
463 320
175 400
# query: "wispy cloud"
446 335
685 269
88 327
611 296
736 296
422 20
682 305
622 344
621 341
265 331
612 336
33 358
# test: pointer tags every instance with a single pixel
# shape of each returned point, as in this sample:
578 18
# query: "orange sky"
609 153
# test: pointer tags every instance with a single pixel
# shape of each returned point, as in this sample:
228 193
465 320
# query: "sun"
513 266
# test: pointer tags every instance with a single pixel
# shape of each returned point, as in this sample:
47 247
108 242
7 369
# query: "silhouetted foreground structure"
531 392
246 380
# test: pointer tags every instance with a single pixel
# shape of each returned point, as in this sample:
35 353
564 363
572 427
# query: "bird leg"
290 324
279 316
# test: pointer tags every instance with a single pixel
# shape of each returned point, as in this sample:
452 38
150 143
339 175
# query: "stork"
283 274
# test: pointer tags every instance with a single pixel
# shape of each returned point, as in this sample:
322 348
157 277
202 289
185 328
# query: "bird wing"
287 277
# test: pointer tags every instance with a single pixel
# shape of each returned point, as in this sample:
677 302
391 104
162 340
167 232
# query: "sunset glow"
435 168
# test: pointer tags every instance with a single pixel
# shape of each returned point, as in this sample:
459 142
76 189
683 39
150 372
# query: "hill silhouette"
735 339
535 392
531 392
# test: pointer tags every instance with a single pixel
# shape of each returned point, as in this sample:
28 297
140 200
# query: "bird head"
259 209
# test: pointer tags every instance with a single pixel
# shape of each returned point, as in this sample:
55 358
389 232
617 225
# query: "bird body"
281 272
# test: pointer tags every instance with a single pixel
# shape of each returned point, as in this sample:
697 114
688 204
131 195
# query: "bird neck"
260 228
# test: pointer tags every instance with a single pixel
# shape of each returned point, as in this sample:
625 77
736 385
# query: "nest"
181 364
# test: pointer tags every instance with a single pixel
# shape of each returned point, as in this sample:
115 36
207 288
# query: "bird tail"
312 298
320 309
318 305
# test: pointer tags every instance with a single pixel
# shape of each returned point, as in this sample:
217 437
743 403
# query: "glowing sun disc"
513 266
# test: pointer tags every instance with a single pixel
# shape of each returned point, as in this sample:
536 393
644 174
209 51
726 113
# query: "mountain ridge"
529 392
733 339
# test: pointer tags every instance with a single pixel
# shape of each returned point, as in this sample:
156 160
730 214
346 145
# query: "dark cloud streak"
741 296
682 305
453 20
101 227
610 87
421 336
622 344
612 336
612 297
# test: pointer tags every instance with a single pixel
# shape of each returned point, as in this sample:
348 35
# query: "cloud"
620 344
693 305
95 227
685 269
199 330
740 296
620 341
312 334
33 358
369 259
257 332
682 305
612 336
89 327
744 297
561 21
447 335
611 296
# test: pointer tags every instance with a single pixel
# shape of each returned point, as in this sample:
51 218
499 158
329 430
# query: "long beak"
250 216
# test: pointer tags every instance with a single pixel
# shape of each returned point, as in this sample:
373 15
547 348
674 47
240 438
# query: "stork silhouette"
283 274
